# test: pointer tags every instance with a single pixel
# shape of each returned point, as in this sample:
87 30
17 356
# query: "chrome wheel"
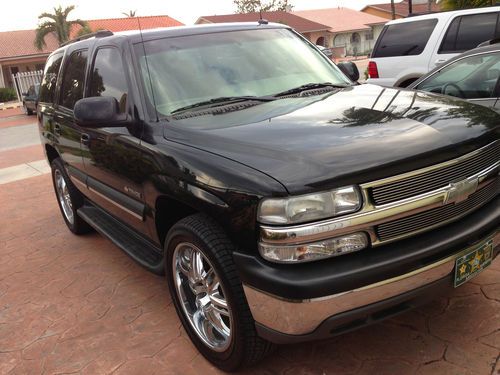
63 196
202 296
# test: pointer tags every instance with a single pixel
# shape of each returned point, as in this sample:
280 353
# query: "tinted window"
473 77
468 32
73 79
48 85
408 38
108 76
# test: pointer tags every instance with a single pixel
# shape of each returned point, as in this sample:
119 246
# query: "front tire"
208 294
69 198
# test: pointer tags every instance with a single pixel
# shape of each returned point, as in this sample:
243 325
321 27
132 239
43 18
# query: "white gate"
23 81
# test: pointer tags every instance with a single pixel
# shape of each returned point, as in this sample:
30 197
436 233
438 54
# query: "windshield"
192 69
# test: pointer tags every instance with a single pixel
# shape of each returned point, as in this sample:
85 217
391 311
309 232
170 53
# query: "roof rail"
489 42
97 34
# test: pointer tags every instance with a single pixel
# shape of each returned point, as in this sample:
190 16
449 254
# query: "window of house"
48 84
467 32
108 76
369 35
404 39
73 79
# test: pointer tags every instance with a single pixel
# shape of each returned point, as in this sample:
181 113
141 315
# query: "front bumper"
311 301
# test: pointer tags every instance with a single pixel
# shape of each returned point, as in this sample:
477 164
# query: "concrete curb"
4 106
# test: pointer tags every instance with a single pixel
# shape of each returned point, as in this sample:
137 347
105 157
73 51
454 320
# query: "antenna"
262 21
147 68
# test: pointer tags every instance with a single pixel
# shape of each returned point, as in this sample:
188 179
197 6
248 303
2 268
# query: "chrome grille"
438 177
438 216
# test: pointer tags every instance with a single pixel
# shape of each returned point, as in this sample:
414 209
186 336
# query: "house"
19 54
401 8
352 32
312 30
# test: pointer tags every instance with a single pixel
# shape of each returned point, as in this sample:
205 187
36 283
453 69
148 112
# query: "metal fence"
23 81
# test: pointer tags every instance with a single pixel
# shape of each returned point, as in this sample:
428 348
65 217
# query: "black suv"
283 202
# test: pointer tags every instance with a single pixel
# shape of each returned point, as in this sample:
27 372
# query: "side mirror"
98 112
349 69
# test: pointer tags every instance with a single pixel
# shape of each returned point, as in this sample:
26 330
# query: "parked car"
408 48
327 51
283 202
473 75
30 99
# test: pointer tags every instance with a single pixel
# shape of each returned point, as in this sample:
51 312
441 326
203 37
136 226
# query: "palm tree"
464 4
130 14
58 24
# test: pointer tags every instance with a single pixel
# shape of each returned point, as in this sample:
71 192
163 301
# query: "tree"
84 30
393 10
464 4
58 24
249 6
130 13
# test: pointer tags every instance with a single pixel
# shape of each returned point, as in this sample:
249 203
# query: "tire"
29 112
68 198
243 347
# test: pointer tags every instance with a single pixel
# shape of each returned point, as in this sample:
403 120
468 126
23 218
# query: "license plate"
473 262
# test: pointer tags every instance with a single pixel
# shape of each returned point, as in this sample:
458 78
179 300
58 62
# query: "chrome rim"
63 195
202 296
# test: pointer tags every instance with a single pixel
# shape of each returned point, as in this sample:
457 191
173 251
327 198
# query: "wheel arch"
51 153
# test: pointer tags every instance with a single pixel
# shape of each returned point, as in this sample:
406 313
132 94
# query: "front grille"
436 178
427 220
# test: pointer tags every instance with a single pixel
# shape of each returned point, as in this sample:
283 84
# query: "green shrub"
7 94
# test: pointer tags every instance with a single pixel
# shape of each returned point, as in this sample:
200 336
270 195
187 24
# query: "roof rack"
97 34
489 42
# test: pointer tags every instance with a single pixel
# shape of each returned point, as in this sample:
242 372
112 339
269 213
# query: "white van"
409 48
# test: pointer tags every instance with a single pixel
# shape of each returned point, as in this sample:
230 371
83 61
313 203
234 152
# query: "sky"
24 15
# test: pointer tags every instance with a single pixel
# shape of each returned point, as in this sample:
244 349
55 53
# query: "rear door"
67 133
464 33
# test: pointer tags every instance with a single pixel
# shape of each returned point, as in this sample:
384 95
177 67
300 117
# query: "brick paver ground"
73 304
7 122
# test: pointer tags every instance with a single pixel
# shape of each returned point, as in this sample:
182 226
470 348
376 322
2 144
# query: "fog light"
313 251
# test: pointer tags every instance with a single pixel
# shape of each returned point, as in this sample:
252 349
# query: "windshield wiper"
308 86
224 100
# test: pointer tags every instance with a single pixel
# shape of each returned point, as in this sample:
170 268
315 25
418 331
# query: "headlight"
314 251
303 208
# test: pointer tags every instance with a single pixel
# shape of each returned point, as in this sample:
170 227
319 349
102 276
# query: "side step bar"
140 249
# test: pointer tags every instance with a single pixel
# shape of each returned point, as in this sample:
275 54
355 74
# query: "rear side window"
404 39
73 79
48 85
467 32
108 76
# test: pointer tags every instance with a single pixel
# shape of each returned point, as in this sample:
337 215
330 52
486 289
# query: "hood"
353 135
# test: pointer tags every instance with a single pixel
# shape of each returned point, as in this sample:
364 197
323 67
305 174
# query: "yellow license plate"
473 262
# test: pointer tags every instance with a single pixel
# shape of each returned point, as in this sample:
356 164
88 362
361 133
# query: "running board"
140 249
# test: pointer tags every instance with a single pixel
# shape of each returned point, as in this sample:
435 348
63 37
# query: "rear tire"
233 341
69 198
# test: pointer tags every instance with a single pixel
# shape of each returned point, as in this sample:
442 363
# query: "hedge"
7 94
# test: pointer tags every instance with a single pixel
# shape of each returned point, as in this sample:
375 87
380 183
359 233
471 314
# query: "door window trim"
64 66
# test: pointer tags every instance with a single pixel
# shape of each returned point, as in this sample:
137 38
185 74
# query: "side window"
73 79
468 32
108 76
403 39
473 77
48 84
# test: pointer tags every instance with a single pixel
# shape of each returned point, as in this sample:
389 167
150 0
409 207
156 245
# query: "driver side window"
473 77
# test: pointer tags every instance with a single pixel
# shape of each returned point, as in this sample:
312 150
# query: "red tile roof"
295 21
124 24
15 44
21 43
342 19
402 8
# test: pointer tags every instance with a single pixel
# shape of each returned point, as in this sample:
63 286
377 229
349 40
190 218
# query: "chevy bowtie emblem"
457 192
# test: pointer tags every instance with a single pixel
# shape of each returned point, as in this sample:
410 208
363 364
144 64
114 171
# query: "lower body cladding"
284 313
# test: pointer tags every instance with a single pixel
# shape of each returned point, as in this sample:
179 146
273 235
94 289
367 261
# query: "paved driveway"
73 304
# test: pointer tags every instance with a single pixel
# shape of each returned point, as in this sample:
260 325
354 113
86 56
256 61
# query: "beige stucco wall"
24 65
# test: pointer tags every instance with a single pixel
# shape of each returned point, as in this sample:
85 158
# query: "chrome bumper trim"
299 317
371 215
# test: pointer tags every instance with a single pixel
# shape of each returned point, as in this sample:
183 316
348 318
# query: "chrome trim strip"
298 317
139 217
76 181
417 172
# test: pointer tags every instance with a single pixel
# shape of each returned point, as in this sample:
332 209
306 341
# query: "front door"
112 155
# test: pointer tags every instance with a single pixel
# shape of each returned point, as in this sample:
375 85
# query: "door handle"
85 139
57 129
439 61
